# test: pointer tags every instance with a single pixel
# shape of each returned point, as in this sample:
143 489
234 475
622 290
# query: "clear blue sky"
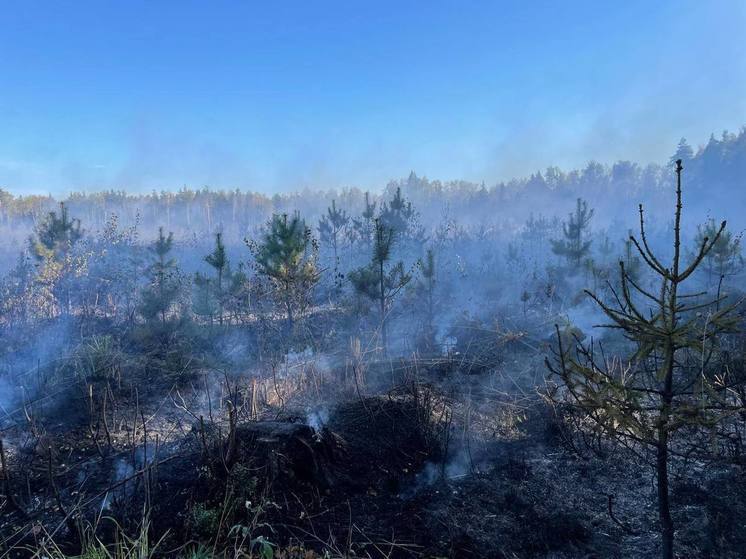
283 95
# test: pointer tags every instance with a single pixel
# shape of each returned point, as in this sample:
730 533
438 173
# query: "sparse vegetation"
379 391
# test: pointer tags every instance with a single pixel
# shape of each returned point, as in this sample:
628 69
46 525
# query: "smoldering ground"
363 378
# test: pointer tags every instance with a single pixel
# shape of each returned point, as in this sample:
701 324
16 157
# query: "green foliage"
286 256
211 293
56 236
331 228
98 358
94 552
575 245
218 259
138 546
159 298
204 520
675 377
52 246
379 280
398 215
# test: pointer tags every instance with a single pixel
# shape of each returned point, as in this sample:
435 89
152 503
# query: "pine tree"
364 226
380 281
286 255
399 215
56 236
575 245
673 380
52 246
426 284
331 228
160 296
219 262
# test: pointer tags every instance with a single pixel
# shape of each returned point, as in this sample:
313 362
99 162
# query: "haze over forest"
281 98
391 281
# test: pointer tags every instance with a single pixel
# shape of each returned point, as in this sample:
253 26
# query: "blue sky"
278 96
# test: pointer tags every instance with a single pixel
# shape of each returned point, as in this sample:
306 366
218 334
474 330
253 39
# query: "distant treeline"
714 172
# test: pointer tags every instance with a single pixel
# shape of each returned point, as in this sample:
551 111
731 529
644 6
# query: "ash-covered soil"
392 475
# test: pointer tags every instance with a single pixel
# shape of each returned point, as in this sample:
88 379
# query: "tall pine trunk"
384 337
664 505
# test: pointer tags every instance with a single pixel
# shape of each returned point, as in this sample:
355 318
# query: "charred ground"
381 389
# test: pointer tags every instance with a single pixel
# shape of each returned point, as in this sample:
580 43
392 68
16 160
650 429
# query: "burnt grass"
384 476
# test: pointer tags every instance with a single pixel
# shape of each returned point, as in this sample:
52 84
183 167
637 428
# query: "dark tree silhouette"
380 281
673 379
575 245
